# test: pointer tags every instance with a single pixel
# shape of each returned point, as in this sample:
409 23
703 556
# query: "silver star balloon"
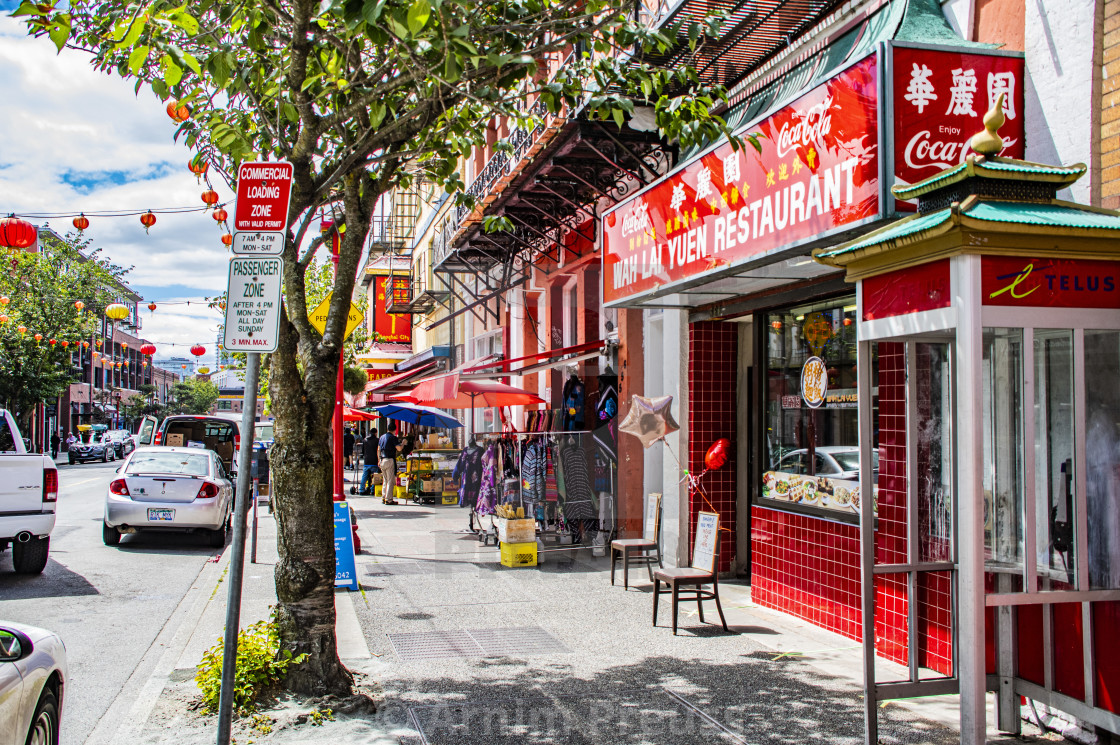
649 419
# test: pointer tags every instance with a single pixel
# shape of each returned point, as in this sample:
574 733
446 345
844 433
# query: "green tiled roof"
901 229
1022 213
1022 166
1049 215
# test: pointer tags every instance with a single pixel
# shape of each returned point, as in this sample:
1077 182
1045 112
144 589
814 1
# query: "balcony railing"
507 156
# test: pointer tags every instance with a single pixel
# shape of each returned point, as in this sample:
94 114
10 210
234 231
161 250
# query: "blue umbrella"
423 415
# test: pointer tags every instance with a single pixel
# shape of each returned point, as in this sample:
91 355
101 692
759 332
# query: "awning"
536 362
392 381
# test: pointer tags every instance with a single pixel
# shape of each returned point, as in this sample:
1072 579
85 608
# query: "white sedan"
169 489
32 679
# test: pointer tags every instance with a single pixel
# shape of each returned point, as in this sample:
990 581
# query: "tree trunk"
301 478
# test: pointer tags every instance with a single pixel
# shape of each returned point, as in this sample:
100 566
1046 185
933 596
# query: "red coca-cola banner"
818 171
940 98
1049 283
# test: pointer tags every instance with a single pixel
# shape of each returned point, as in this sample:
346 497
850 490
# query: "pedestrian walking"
388 447
369 456
348 447
55 442
70 440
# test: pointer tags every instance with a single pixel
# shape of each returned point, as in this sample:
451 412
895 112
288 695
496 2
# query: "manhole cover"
622 717
526 641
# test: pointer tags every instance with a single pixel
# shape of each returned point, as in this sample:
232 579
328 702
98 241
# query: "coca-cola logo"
636 220
806 128
925 152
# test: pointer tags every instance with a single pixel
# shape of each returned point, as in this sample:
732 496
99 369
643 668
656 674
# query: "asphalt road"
107 603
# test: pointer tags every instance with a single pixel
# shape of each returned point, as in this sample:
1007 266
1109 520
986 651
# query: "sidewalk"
462 650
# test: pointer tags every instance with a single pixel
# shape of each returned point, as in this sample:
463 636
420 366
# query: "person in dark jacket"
348 448
369 457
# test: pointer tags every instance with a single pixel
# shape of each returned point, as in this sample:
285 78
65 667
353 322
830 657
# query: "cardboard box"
431 485
175 440
516 531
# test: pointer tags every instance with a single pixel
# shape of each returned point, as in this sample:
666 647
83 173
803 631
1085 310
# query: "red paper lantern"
776 325
3 319
124 345
79 305
16 233
198 166
220 215
65 344
210 196
198 350
81 222
152 307
147 220
22 329
717 454
228 239
38 338
85 345
847 322
148 349
98 343
52 342
177 112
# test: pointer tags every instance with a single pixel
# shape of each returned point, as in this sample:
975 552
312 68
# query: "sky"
73 139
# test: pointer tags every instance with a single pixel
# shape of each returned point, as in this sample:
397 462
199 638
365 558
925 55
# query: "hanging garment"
573 404
551 488
579 504
488 487
533 471
468 471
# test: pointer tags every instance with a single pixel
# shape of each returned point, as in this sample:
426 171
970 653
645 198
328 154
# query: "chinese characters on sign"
940 98
390 327
818 171
814 382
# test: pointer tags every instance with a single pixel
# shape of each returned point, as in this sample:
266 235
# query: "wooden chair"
637 550
702 571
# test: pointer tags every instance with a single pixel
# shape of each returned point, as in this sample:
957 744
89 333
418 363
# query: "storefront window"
1102 457
1003 456
812 433
1053 459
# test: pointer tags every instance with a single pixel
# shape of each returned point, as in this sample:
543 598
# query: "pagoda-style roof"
996 169
976 215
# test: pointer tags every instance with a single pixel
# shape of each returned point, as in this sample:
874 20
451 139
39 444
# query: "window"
812 457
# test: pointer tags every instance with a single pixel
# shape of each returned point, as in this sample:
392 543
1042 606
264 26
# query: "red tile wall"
713 353
809 567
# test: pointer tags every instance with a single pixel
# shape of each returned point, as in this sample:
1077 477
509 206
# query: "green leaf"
26 8
376 115
290 112
451 68
59 35
418 15
619 117
133 33
192 63
184 20
371 10
137 59
172 73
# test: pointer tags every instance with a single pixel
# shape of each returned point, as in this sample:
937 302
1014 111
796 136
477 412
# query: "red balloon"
716 457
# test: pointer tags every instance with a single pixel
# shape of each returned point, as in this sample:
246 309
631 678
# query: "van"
222 436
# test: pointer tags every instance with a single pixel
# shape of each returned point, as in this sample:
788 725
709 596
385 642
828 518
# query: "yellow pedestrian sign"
318 317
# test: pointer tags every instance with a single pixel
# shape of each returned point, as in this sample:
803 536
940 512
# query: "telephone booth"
989 389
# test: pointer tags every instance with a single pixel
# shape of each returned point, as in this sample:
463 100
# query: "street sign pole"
237 560
252 326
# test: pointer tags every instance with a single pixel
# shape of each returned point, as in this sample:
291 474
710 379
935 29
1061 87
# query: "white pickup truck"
28 494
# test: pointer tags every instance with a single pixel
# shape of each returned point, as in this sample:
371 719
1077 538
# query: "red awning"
537 362
394 380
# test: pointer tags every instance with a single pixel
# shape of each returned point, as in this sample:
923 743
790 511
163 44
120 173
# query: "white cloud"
79 140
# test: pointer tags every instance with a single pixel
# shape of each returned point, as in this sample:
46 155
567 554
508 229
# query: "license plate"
161 515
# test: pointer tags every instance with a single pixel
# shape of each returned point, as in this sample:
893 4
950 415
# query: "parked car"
92 446
122 442
33 677
28 494
834 461
222 436
169 489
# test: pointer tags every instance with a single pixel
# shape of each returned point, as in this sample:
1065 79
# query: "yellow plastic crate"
519 554
450 500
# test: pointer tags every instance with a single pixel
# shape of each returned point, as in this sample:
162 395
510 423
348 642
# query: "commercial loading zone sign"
253 303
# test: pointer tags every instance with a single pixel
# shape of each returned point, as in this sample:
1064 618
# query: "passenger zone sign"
253 304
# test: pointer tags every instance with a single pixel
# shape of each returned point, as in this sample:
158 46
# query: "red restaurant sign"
939 100
391 327
818 171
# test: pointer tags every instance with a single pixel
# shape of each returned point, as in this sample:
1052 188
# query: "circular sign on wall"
814 382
